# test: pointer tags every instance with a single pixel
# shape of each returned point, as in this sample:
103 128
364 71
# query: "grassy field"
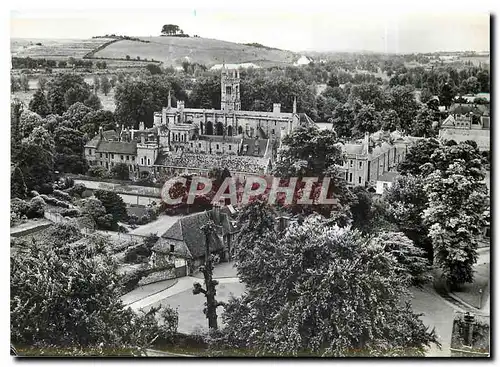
175 50
55 49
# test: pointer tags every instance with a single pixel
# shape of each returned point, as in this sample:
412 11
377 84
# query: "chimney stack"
276 108
294 104
100 132
169 100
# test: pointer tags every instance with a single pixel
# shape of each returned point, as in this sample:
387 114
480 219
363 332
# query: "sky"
306 29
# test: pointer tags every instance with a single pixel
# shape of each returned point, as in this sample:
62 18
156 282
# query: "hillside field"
54 49
175 50
169 50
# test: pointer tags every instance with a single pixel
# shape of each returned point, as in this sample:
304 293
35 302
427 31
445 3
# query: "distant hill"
175 50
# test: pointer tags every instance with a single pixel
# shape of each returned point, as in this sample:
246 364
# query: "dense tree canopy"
458 206
64 90
39 104
419 154
405 202
71 301
35 158
322 291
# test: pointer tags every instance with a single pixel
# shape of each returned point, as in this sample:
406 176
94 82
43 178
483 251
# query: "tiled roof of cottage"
188 229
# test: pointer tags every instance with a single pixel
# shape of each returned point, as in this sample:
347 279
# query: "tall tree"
170 29
419 154
39 104
14 84
93 101
105 85
69 150
24 82
424 124
367 119
310 152
64 90
35 158
28 122
405 202
323 291
411 259
113 203
402 100
447 94
42 83
96 84
389 120
18 187
72 303
458 204
342 120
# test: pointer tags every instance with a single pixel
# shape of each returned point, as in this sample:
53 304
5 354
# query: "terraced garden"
56 49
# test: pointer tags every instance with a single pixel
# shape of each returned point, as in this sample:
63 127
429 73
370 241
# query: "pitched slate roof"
252 147
463 109
94 142
188 229
220 138
120 147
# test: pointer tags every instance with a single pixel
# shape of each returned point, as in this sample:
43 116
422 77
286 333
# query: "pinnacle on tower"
169 99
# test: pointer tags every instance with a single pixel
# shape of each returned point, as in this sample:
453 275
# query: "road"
159 226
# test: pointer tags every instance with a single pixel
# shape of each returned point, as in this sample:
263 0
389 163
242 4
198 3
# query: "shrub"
122 229
46 189
62 195
19 206
138 254
132 219
55 202
130 279
36 207
73 212
77 190
97 171
144 219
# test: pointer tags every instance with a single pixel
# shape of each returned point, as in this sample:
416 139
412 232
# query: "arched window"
240 130
201 128
219 128
230 130
210 128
